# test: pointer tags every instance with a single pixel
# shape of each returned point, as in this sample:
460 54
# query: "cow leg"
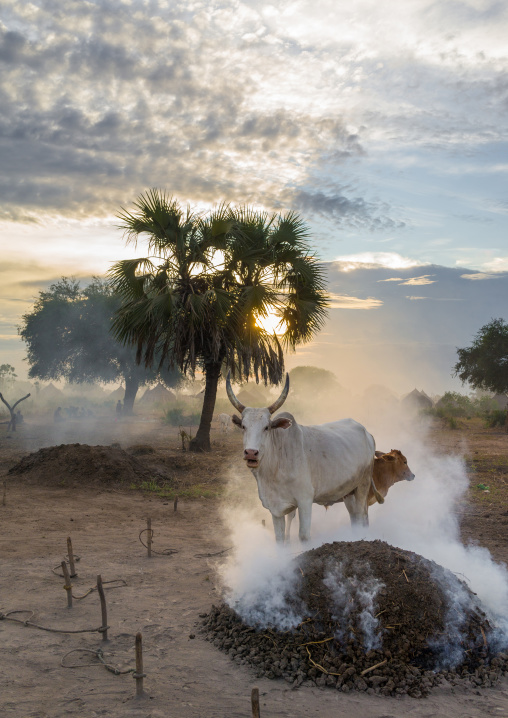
305 518
357 510
289 519
279 525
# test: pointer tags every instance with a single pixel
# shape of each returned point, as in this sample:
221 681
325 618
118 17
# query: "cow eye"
265 429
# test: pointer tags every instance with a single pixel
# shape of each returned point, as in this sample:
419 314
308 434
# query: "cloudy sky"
383 124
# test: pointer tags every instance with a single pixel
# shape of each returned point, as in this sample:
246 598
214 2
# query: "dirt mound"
371 617
75 464
140 450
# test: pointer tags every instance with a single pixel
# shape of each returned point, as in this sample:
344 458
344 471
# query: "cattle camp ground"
195 503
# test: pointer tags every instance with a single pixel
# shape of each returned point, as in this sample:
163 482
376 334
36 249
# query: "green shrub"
495 418
174 417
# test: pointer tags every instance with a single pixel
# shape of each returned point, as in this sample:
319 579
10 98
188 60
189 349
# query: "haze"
383 125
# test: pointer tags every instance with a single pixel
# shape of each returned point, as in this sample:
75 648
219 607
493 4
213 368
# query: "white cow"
224 423
296 466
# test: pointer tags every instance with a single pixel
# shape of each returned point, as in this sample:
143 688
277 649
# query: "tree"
199 299
11 424
7 375
68 335
313 380
484 364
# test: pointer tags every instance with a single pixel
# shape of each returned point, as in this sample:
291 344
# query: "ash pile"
366 616
81 464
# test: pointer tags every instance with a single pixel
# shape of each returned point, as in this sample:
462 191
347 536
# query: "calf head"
256 424
394 464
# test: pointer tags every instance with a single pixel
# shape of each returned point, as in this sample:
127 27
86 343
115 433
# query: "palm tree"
198 300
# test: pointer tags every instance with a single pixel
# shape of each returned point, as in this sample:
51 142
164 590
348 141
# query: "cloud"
477 276
342 210
390 260
238 100
344 301
498 264
111 99
415 298
418 281
391 279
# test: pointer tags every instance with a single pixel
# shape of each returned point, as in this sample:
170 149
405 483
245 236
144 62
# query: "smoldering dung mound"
371 617
80 464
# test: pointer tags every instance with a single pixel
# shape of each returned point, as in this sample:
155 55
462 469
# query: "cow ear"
389 457
236 420
378 454
281 423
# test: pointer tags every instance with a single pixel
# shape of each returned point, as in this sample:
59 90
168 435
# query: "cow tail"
378 496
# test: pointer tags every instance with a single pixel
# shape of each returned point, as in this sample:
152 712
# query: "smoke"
420 516
259 580
451 649
352 591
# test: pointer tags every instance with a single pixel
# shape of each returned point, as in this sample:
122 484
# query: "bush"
174 417
452 422
496 418
453 404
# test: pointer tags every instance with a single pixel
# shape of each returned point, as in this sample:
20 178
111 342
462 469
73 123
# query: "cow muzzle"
410 477
251 456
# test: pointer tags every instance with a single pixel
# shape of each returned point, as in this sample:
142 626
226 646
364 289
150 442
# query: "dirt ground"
185 675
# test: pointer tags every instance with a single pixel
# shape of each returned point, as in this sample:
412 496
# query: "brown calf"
388 469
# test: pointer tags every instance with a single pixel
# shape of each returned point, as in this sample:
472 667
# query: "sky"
383 124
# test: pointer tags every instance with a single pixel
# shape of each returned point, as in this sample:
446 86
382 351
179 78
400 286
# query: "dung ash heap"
81 464
371 617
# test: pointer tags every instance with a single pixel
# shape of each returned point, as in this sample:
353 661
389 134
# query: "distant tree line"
68 336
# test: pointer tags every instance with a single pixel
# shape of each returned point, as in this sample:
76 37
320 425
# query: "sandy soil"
165 595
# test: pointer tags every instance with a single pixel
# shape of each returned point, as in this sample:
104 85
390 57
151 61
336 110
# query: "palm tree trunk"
201 441
131 389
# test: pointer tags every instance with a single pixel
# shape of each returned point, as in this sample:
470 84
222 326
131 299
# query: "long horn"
282 398
231 394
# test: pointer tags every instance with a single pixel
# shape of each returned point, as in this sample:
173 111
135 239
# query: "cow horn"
282 398
231 394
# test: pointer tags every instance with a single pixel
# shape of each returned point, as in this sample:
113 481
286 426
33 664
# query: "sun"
272 324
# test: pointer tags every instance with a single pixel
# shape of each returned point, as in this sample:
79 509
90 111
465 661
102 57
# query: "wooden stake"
175 503
4 497
104 610
67 585
254 698
139 675
377 665
70 554
149 539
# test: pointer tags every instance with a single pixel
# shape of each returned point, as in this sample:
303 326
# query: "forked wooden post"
104 610
255 703
149 537
139 675
70 554
68 584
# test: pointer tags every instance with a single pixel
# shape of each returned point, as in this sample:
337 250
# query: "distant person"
119 409
20 419
57 416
